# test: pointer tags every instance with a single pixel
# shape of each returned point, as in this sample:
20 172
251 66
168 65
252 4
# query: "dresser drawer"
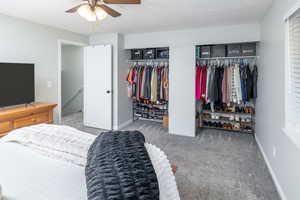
5 126
31 120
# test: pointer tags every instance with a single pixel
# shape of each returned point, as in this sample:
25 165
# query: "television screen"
16 84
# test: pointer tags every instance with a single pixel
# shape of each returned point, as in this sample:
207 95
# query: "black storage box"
205 52
218 50
149 53
136 54
234 50
162 53
198 51
249 49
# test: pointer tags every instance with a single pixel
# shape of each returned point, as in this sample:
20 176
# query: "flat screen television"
16 84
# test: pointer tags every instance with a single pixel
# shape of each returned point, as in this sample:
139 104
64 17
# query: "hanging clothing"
249 83
198 82
237 84
225 88
254 79
130 79
147 89
154 85
201 75
229 84
220 73
210 84
226 84
203 83
215 85
244 77
208 77
158 84
166 84
148 83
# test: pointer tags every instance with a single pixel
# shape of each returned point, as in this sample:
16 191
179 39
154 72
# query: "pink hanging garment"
203 83
198 82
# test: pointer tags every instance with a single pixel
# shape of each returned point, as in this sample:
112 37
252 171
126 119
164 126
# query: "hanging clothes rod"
150 60
223 58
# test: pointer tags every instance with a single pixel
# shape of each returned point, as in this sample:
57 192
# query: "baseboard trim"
118 127
277 184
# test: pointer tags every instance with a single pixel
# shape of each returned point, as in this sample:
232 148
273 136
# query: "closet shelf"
153 120
228 113
150 60
227 120
230 130
150 104
222 58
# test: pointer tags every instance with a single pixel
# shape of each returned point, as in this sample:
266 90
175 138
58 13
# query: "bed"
46 162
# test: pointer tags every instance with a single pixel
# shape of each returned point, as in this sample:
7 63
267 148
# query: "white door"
98 87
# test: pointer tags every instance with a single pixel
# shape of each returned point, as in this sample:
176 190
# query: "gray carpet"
215 165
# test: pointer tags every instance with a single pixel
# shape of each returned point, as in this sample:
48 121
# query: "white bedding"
26 175
46 162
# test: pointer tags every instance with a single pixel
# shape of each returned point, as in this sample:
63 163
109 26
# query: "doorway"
85 85
70 78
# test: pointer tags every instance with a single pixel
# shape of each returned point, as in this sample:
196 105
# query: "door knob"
108 92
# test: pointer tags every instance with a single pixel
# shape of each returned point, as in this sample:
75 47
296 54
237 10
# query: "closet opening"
70 79
226 87
148 84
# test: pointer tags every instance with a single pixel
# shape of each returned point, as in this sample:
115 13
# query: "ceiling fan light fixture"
87 13
100 13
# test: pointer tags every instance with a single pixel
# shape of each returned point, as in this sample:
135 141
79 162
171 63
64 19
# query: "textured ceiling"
150 16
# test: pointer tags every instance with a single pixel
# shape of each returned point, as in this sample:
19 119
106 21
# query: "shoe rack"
228 118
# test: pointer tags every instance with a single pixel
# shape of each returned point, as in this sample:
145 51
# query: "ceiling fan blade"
122 1
74 9
109 10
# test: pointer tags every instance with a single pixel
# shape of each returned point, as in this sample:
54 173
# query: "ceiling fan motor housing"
92 3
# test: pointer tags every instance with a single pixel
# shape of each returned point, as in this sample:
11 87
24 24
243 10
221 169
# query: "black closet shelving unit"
152 112
146 109
236 119
245 121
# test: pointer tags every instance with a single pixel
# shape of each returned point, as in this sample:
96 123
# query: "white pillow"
166 179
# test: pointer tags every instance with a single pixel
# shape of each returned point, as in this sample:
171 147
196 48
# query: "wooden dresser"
21 116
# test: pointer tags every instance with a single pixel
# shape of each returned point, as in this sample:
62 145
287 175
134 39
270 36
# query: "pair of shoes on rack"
206 106
227 126
237 126
239 110
206 116
230 109
249 110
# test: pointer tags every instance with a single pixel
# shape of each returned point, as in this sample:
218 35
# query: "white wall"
209 35
72 79
124 102
182 64
285 166
182 107
22 41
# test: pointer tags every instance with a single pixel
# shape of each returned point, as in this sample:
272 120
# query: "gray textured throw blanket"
119 168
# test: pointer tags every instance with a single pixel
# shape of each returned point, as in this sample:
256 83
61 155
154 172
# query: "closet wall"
182 64
285 162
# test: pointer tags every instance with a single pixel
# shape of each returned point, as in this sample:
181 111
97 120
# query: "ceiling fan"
91 10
